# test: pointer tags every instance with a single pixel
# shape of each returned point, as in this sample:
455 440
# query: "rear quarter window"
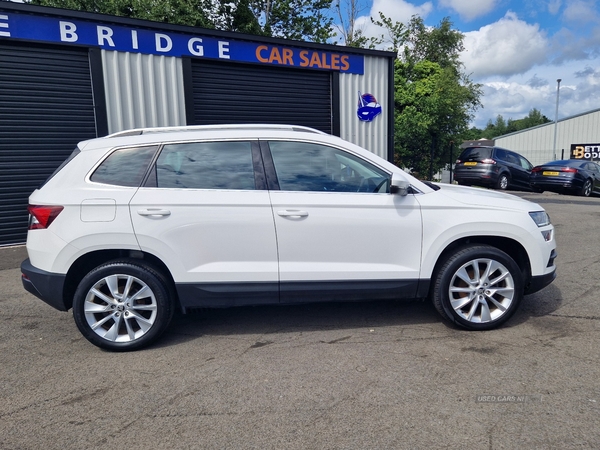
125 167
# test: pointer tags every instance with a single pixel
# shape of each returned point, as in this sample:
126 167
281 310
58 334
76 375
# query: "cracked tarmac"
377 375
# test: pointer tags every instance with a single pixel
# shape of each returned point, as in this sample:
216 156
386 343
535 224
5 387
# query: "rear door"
205 213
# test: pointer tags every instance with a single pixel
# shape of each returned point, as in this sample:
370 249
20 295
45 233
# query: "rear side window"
500 154
205 165
475 154
125 167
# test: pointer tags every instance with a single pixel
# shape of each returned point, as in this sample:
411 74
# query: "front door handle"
154 212
292 213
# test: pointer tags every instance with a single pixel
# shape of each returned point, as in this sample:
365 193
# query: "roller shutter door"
244 93
46 108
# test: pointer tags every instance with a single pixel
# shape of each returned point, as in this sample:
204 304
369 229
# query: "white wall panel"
142 90
537 144
370 135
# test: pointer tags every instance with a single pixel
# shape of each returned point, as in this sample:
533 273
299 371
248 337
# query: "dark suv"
492 167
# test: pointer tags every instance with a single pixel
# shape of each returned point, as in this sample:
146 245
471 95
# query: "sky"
517 50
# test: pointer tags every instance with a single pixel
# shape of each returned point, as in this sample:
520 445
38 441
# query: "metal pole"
556 116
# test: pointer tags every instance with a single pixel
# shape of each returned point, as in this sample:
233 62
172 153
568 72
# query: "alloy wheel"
481 290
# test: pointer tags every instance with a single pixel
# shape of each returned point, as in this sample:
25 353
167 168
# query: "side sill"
347 291
225 295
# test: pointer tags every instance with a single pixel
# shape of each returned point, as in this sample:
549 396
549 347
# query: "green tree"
501 127
308 20
292 19
347 12
498 127
434 99
181 12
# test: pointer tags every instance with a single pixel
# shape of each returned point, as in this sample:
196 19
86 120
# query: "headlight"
541 218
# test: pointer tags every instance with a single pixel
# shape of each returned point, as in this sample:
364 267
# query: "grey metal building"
66 76
579 133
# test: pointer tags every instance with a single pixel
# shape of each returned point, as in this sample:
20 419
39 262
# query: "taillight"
568 169
536 169
488 161
458 161
42 215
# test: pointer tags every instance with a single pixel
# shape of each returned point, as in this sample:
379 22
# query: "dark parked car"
492 167
572 176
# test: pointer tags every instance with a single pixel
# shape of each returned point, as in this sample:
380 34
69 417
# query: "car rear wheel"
122 306
503 182
478 287
586 189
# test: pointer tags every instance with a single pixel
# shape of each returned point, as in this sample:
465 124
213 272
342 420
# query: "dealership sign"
140 40
585 151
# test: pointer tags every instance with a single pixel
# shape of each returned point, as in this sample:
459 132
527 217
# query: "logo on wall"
368 108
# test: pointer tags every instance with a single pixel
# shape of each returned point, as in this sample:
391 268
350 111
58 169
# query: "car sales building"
67 76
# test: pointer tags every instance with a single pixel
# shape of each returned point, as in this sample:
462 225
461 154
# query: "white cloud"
470 9
516 96
396 10
509 46
554 6
580 12
400 10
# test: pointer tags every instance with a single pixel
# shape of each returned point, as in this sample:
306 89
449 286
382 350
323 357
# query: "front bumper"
46 286
539 282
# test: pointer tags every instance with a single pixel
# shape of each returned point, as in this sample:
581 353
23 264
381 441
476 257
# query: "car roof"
139 136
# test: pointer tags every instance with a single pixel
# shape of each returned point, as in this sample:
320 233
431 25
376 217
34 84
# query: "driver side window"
303 166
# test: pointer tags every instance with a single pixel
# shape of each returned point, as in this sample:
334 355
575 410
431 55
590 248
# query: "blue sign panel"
139 40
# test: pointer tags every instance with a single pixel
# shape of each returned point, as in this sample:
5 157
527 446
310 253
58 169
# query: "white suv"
139 223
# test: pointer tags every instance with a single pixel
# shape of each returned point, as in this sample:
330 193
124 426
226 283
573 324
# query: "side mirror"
399 186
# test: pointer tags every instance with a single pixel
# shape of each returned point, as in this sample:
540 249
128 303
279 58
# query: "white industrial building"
579 134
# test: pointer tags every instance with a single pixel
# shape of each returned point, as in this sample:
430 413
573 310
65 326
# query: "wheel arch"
509 246
85 263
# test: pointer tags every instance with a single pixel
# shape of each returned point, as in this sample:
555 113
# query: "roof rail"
249 126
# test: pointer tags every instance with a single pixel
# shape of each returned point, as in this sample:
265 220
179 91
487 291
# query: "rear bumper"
549 184
478 177
44 285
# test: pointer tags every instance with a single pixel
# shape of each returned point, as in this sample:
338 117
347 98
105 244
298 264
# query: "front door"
341 234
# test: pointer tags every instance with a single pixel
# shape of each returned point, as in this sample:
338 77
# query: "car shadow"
266 319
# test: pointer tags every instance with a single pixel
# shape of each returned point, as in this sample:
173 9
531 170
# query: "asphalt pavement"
377 375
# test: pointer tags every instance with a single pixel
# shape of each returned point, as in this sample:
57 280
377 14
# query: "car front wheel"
478 287
122 306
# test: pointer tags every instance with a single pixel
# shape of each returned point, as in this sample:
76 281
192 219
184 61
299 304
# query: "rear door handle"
292 213
154 212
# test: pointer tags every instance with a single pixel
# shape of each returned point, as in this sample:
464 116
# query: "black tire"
503 182
482 303
114 321
586 189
